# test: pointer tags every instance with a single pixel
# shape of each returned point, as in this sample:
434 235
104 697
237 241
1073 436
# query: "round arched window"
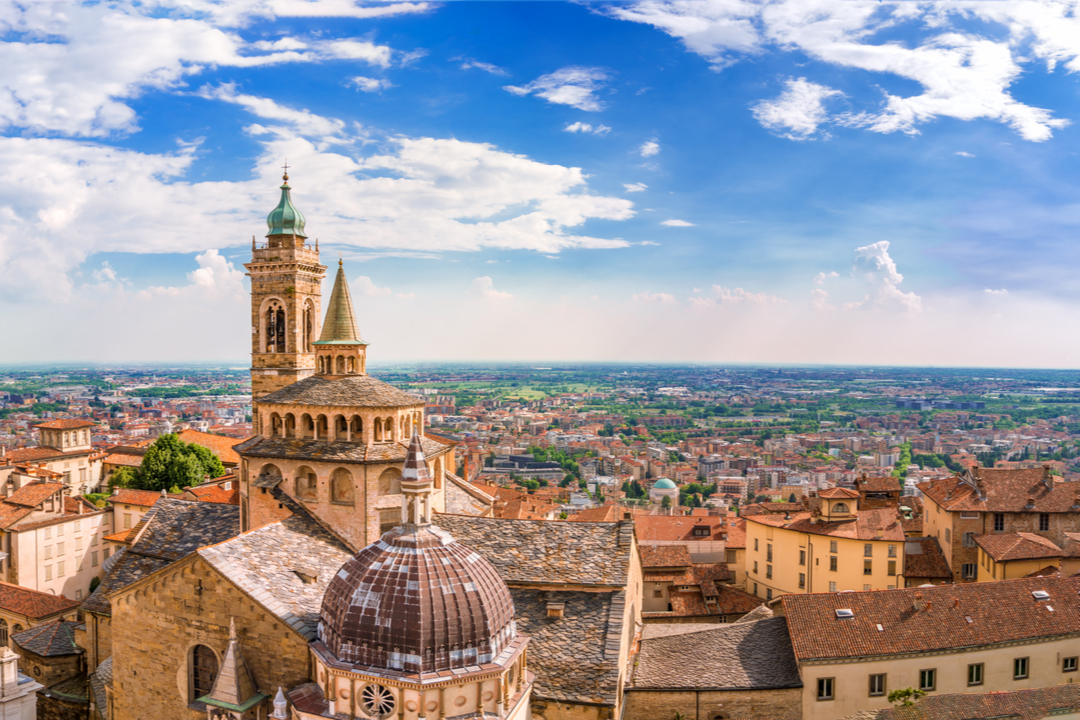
839 508
378 701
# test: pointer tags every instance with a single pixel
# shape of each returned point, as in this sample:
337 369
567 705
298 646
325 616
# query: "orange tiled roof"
1004 547
66 424
1029 490
677 527
128 496
124 459
665 556
216 494
33 494
839 494
862 526
33 603
120 537
736 534
218 444
604 513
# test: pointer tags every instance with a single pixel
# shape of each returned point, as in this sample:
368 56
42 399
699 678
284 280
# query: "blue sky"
796 182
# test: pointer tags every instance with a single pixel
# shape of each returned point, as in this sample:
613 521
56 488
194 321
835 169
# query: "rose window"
377 701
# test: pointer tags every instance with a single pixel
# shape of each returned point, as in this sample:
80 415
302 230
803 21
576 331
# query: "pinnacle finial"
285 167
340 261
232 628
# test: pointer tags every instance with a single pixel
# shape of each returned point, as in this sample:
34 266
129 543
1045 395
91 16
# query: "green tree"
123 477
170 462
792 498
906 696
666 502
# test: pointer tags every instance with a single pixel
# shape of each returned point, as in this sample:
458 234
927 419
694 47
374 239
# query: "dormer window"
556 610
701 531
840 509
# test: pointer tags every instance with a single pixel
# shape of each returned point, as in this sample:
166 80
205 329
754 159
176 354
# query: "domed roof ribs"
285 219
340 327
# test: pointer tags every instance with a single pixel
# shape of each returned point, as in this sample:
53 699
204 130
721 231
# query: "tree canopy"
170 463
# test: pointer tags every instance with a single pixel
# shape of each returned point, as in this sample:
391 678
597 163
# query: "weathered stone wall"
550 710
165 616
48 671
713 705
57 708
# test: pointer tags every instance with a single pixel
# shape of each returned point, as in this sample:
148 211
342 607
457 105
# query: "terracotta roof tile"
33 494
650 528
863 525
33 603
923 559
1030 704
1004 491
220 445
664 556
1003 547
66 424
952 616
130 496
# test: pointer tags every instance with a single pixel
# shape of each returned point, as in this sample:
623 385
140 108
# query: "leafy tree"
123 477
792 498
94 582
666 502
905 697
170 462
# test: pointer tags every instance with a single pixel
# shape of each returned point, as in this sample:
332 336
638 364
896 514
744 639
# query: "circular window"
378 701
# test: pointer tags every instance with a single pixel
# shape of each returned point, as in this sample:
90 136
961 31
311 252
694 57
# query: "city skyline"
778 183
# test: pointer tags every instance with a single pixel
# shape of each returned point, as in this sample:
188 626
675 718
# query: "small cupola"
285 222
339 351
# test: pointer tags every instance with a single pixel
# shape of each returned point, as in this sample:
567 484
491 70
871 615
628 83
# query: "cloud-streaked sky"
803 181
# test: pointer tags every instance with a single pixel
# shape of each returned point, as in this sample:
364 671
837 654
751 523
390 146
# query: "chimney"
917 604
880 532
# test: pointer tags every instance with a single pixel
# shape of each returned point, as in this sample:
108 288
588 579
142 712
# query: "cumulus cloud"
366 84
659 297
875 266
486 67
581 127
963 74
821 277
649 148
574 86
366 287
485 287
635 187
961 153
677 223
819 299
737 296
1003 291
799 110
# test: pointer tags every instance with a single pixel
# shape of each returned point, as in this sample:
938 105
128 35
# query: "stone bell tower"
286 294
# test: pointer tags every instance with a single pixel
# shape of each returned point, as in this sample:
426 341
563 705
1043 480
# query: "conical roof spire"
340 324
285 219
415 470
233 687
416 487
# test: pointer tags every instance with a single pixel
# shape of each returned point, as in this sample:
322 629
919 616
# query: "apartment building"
852 649
988 501
64 447
837 546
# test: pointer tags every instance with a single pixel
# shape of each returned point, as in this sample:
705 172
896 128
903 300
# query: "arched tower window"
307 483
309 327
341 487
275 328
203 671
3 632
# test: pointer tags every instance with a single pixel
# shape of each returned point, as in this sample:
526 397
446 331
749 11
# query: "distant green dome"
285 219
664 484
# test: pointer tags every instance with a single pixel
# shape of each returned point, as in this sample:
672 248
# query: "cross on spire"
285 167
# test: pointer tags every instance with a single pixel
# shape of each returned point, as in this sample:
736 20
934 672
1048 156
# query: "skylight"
844 613
1040 594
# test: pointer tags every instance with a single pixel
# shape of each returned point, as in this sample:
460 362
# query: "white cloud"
216 273
369 52
873 264
635 187
486 67
366 84
659 297
485 287
677 223
303 122
961 153
799 110
821 277
581 127
737 296
574 86
649 148
367 288
650 242
963 74
819 299
1003 291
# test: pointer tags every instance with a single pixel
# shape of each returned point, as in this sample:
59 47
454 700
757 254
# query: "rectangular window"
731 556
968 540
948 536
867 567
48 533
768 593
59 548
868 550
78 594
48 572
1044 522
802 557
975 674
999 522
78 543
825 688
48 552
1069 664
1020 668
866 588
755 544
93 540
768 572
832 563
59 531
755 567
927 679
892 551
105 554
877 685
802 580
755 588
892 567
832 546
768 552
967 571
127 521
93 559
60 569
78 525
832 586
968 515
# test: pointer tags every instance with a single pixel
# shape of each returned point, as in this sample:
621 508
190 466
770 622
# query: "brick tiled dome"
417 601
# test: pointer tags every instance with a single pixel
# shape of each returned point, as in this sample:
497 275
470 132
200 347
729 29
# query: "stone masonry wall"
714 705
188 604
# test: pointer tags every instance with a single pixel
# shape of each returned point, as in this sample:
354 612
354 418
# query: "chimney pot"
918 602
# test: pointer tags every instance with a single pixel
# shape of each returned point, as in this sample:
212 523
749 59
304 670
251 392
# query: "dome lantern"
285 219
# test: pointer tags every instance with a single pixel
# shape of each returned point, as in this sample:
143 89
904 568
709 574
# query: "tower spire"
285 219
340 325
416 487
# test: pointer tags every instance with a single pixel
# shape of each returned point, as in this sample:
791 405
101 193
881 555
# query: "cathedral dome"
285 219
417 601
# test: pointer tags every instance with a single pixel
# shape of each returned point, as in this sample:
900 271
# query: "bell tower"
286 295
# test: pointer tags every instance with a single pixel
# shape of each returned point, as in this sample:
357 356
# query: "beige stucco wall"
36 555
990 571
851 691
787 545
